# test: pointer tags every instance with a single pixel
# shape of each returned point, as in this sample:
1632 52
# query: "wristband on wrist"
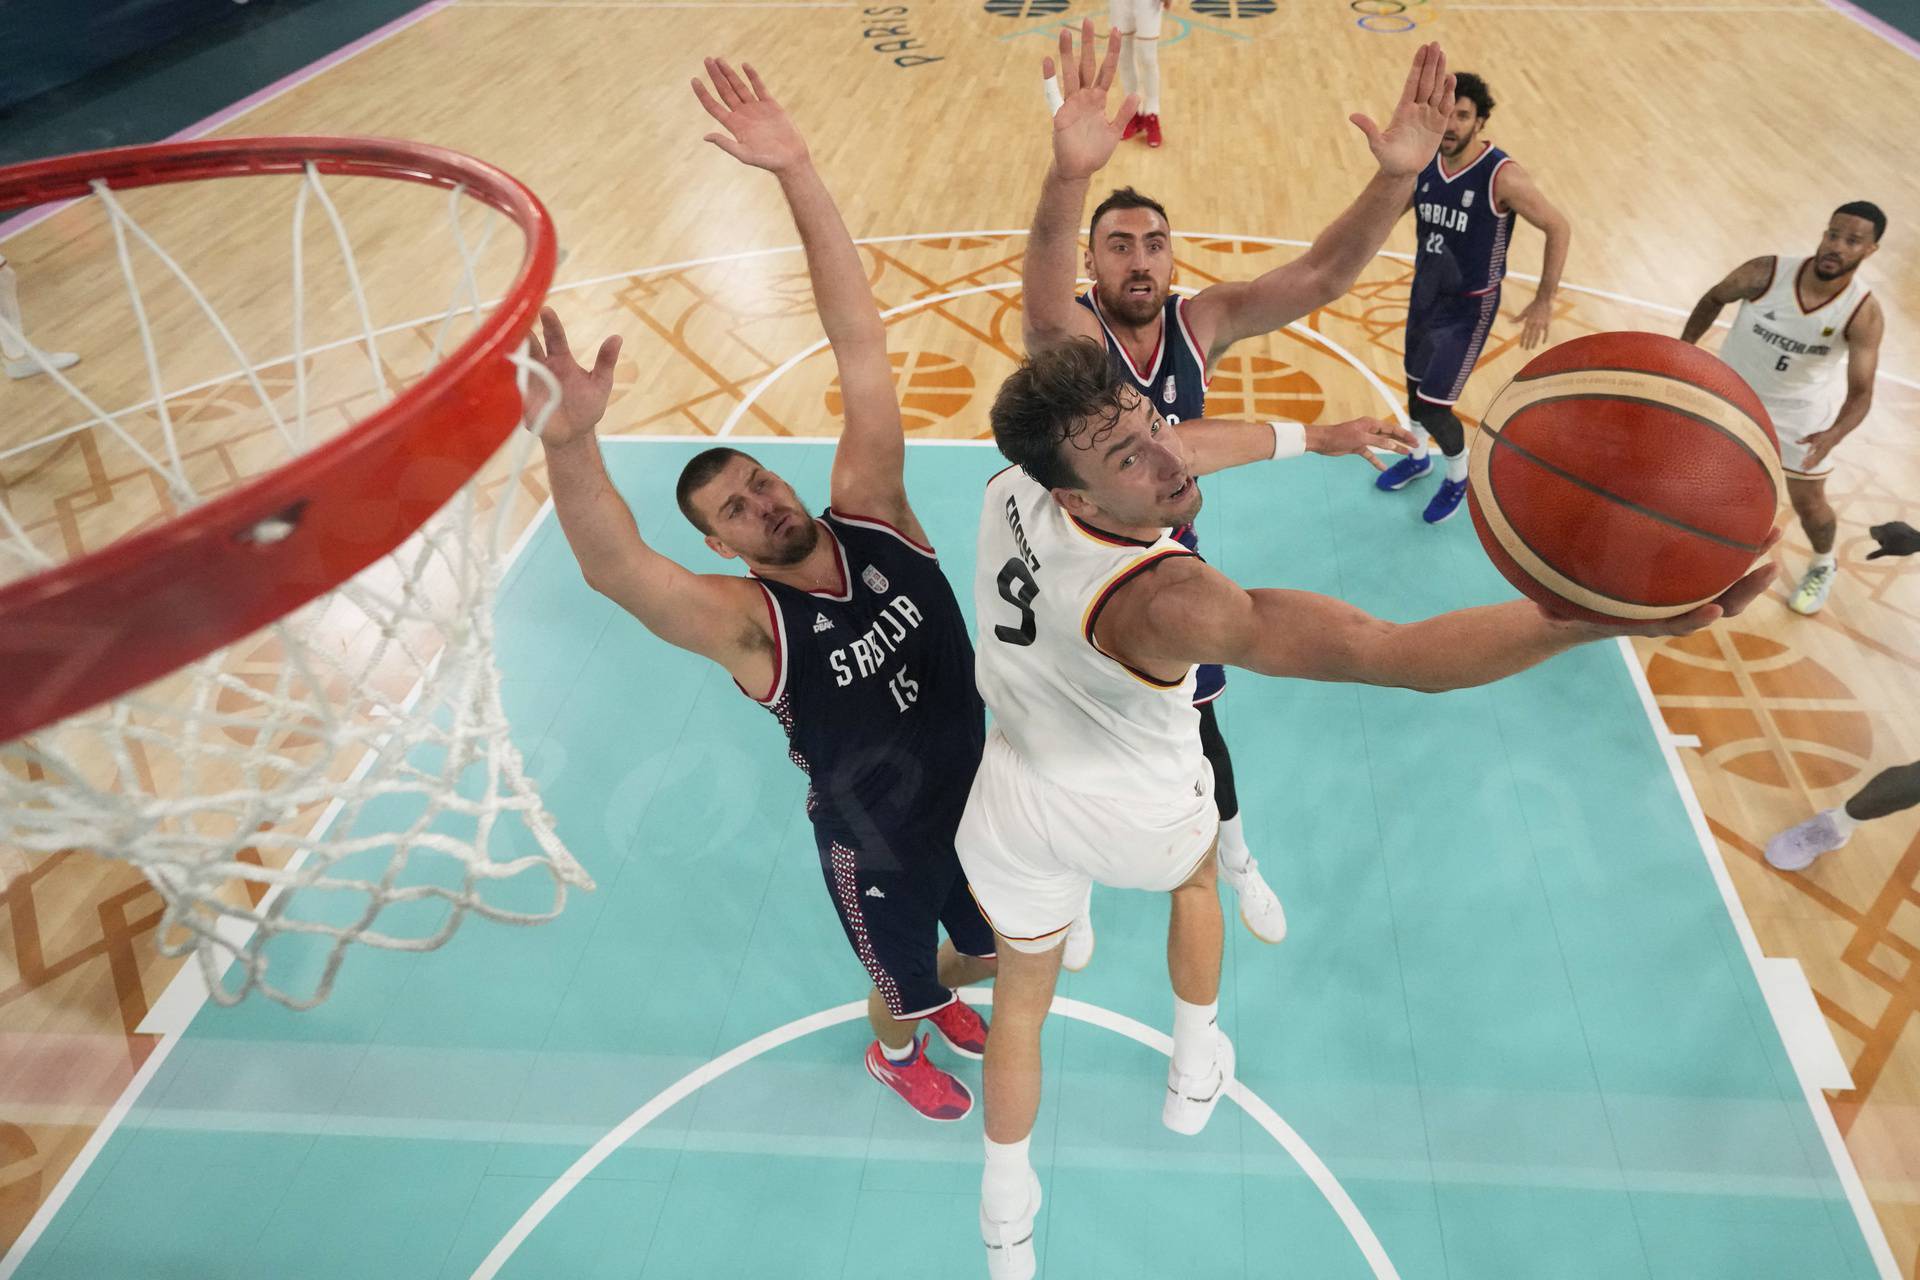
1289 439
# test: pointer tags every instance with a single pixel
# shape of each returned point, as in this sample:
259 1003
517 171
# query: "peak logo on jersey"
1466 199
821 622
1769 315
1423 188
1169 394
873 891
874 579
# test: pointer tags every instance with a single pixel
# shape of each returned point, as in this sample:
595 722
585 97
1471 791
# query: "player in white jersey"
1091 620
1797 317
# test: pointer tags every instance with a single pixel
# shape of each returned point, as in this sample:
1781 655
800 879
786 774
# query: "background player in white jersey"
1091 619
1166 346
1464 205
1796 318
846 630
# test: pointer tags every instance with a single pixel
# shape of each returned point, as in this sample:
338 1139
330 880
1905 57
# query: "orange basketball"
1625 476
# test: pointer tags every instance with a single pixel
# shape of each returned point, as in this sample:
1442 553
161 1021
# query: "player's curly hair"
1067 395
1471 87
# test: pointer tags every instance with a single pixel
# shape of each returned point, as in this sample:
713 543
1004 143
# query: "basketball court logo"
874 578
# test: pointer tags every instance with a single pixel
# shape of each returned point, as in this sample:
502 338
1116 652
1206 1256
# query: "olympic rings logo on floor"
1390 17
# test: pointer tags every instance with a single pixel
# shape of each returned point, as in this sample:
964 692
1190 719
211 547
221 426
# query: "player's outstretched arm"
717 617
1083 141
1514 187
1863 362
1743 284
869 464
1216 444
1223 314
1184 611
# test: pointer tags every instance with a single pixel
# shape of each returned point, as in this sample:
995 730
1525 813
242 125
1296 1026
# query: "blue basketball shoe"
1403 473
1446 501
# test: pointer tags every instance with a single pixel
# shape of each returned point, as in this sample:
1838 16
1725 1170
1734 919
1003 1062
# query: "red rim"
102 625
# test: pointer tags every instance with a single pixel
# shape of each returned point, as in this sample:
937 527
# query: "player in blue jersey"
845 628
1166 346
1464 205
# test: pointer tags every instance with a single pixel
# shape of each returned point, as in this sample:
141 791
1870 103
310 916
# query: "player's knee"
1442 425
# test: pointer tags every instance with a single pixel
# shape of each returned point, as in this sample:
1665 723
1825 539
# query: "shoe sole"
1395 488
1443 519
885 1084
953 1044
1259 935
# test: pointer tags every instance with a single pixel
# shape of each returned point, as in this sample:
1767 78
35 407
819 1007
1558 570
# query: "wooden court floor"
1680 139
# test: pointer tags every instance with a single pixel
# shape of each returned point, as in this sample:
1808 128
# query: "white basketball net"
345 775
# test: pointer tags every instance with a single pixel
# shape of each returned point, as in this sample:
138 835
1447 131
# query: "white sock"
1823 560
1003 1187
1456 466
1129 78
10 313
901 1054
1425 447
1233 851
1146 57
1194 1042
1843 822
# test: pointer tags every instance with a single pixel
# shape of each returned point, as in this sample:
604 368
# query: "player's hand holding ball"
1628 483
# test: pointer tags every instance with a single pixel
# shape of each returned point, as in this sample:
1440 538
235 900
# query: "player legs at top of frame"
1166 346
844 627
1136 24
1797 318
19 361
1464 203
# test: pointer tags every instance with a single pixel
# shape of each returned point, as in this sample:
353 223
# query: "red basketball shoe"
1134 126
927 1089
1153 129
962 1029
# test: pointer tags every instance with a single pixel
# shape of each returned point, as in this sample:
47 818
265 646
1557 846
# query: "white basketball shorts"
1031 848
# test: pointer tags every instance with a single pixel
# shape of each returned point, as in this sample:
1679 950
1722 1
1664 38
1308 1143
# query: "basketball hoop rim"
101 625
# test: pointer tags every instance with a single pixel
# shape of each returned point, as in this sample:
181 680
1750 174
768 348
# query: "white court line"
62 1189
1394 407
707 1072
1843 1166
777 250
